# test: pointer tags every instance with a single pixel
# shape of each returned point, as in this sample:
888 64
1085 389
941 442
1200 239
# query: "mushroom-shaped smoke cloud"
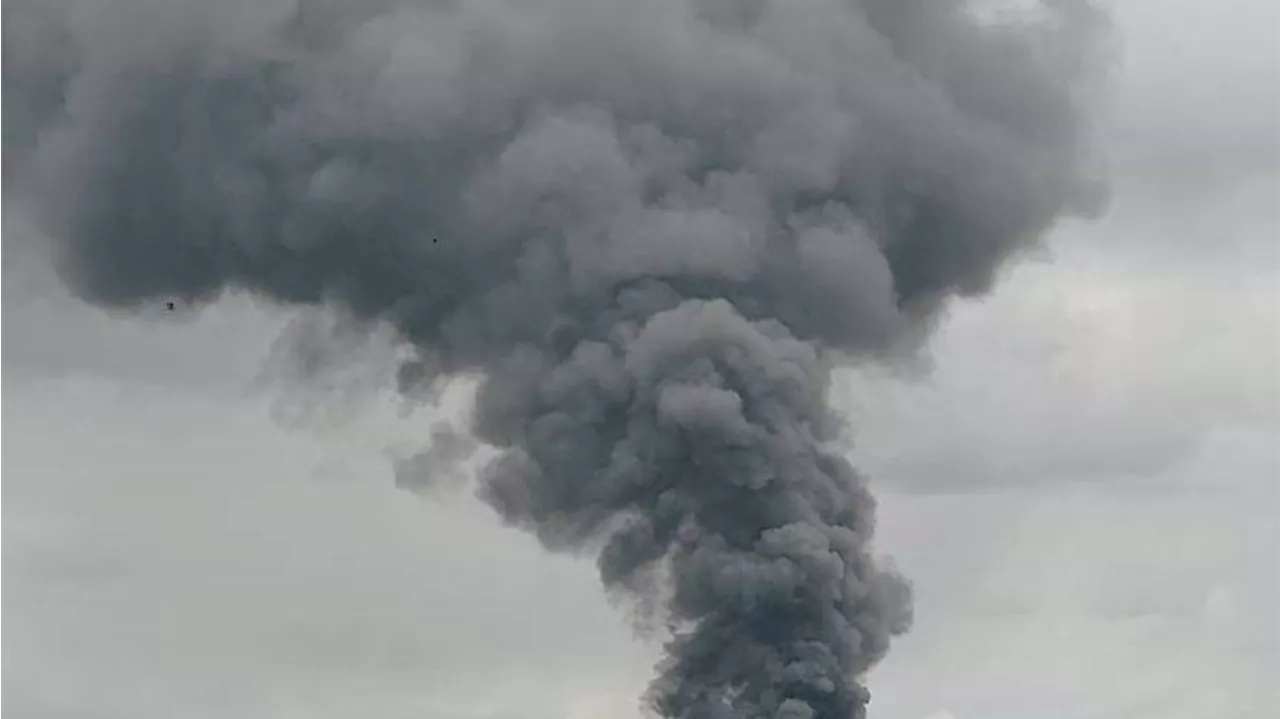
649 226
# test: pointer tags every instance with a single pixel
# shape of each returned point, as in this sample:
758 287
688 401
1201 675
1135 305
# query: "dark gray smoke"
650 226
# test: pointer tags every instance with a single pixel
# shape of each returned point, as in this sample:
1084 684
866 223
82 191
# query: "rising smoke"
650 226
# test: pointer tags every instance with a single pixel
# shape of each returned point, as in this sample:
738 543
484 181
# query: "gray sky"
1082 487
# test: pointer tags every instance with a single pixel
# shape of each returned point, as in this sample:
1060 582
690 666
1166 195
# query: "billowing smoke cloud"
649 226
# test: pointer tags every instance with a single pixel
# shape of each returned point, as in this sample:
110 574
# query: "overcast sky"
1082 486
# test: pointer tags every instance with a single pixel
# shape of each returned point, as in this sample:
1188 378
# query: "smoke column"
651 227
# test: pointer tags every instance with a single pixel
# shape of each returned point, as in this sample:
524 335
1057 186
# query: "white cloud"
1072 373
170 554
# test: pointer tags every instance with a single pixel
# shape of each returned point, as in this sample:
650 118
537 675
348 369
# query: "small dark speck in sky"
169 306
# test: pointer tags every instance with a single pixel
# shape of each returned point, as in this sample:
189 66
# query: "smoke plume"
651 227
